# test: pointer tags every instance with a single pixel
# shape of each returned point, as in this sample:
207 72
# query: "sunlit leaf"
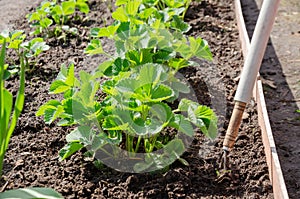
45 23
107 31
83 7
30 193
200 48
94 47
182 124
69 149
179 24
132 7
152 73
59 86
81 134
51 104
68 7
210 120
120 15
51 114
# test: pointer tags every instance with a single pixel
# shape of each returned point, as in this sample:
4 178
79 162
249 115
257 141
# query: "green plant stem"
160 5
108 55
48 32
138 144
186 8
62 21
153 140
129 144
1 162
145 145
176 111
144 112
2 116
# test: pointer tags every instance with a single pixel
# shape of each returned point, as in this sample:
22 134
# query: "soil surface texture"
32 157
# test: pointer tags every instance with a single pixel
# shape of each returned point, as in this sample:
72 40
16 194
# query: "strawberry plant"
169 12
134 114
26 51
140 93
51 13
136 15
144 44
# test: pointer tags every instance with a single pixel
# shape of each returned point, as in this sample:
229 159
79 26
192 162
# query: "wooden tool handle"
234 125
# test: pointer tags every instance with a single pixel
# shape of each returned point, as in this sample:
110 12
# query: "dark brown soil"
32 160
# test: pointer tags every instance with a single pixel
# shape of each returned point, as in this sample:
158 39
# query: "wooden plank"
244 37
276 177
264 128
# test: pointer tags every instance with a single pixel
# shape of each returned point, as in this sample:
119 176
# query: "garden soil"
32 157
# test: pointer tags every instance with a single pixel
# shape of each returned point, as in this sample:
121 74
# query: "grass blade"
19 104
2 121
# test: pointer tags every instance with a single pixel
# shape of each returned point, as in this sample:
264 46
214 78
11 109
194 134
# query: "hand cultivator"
249 74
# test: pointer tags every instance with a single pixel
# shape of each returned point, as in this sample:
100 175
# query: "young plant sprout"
26 51
52 18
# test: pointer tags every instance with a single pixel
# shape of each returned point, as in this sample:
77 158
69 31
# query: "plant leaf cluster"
134 30
52 17
169 12
135 110
139 90
171 48
26 51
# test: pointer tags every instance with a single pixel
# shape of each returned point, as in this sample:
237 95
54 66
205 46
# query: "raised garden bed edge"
275 172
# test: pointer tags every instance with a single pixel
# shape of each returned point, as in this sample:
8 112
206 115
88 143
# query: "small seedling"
53 19
170 13
27 51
